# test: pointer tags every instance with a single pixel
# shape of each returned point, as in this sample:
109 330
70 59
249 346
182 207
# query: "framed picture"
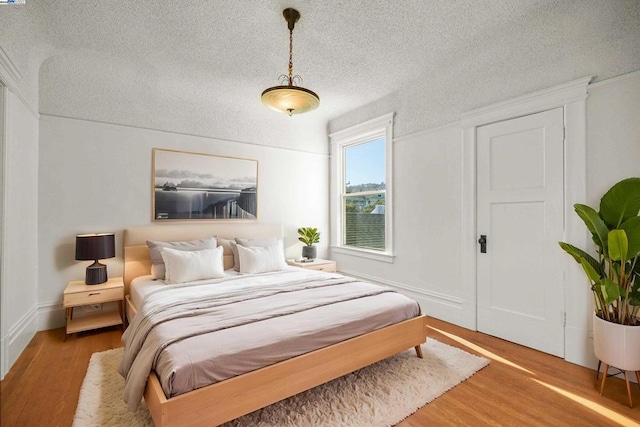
196 186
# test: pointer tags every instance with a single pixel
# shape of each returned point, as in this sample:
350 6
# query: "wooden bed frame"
226 400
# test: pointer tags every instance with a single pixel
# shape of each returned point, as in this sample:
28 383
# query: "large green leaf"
579 255
632 228
621 202
594 223
618 245
610 290
591 272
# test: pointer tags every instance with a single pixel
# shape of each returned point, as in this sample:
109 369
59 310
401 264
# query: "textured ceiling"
196 66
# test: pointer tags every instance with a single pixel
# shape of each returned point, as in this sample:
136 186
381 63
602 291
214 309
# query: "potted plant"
309 236
614 276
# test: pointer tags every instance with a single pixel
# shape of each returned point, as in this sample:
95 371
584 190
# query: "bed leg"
419 351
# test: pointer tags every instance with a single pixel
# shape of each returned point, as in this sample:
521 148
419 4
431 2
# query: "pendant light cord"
291 57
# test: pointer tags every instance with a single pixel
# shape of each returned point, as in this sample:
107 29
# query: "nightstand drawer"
323 267
317 264
93 297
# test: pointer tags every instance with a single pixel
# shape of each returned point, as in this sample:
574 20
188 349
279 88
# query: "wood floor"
521 387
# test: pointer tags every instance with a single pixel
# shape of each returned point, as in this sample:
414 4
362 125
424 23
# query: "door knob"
483 243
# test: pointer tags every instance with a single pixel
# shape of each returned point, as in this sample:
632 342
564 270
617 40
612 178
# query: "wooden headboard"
137 261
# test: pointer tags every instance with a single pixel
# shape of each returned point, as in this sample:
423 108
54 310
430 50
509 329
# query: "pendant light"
289 97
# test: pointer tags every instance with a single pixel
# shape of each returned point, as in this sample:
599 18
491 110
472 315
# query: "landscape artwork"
196 186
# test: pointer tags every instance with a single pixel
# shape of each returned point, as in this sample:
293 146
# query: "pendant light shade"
290 98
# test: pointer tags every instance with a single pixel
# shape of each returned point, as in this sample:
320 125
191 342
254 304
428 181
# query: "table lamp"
95 247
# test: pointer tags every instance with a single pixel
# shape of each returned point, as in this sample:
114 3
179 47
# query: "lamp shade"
95 246
290 99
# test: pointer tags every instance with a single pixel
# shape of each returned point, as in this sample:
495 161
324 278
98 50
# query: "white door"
520 211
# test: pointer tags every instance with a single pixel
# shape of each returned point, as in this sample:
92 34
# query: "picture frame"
188 186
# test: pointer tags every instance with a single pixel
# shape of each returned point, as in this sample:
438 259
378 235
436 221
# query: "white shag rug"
382 394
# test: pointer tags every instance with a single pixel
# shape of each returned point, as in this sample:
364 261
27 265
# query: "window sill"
364 253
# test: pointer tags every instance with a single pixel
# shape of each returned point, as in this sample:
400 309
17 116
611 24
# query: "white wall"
427 187
20 239
613 134
428 201
613 141
97 177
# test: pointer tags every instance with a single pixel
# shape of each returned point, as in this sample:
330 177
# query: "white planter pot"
617 345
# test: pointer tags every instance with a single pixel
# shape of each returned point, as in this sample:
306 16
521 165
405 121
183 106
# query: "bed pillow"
187 266
157 269
267 241
230 246
226 244
261 259
233 246
247 243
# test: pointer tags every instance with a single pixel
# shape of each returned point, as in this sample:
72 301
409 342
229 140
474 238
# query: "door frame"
3 181
572 97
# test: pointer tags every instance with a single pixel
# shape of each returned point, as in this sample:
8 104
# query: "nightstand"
78 293
316 264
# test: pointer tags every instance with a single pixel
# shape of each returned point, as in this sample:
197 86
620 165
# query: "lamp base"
96 274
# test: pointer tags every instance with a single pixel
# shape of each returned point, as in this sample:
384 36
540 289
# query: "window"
363 195
361 199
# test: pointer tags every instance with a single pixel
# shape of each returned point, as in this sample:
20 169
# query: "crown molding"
541 100
9 66
614 80
11 77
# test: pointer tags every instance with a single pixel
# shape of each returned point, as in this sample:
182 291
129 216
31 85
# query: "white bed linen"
141 286
195 362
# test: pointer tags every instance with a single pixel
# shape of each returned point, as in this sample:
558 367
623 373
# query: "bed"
232 397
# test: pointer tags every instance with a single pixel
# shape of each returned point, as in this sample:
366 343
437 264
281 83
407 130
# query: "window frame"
380 127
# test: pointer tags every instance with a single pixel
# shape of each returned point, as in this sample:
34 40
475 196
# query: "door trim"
572 96
4 349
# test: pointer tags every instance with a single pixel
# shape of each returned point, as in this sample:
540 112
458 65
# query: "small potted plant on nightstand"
614 276
309 236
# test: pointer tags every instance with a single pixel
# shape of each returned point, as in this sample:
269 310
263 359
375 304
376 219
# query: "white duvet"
196 334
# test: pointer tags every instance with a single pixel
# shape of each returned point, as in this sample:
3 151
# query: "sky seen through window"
365 163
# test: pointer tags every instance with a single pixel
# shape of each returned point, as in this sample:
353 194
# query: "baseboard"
4 354
434 304
17 339
50 315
